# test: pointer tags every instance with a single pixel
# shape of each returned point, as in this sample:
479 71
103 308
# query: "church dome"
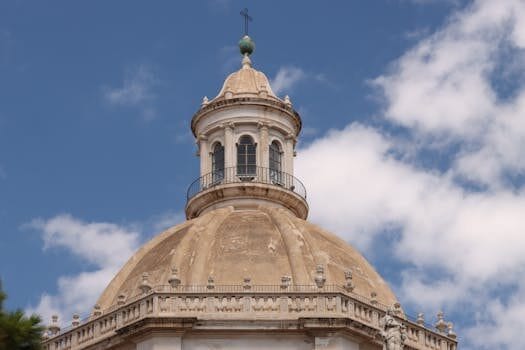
262 245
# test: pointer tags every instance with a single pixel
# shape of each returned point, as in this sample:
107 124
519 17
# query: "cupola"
246 139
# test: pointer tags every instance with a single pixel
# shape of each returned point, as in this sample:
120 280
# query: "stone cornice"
227 103
226 194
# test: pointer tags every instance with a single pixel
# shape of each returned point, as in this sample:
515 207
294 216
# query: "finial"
97 311
397 308
441 325
285 281
174 279
145 286
121 299
211 283
54 328
373 299
420 319
246 45
349 286
247 283
320 278
451 332
287 101
205 101
76 320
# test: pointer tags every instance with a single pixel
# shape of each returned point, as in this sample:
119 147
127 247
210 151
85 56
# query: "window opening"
246 156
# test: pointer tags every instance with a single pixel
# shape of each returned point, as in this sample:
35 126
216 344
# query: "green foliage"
18 332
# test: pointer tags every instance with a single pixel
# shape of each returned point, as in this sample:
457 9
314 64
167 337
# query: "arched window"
217 162
246 159
275 162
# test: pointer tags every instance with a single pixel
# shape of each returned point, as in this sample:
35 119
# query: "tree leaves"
18 332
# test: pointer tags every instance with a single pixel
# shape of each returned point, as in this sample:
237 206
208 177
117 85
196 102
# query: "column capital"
228 125
263 125
291 136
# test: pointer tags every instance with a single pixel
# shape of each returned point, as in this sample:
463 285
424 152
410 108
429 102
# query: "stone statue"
392 331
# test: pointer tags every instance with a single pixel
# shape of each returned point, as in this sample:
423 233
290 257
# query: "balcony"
246 184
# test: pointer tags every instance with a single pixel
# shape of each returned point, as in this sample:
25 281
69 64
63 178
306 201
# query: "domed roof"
230 244
246 82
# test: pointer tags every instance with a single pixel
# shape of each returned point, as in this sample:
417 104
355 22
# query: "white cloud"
167 219
136 90
104 246
501 323
443 88
473 239
286 78
457 248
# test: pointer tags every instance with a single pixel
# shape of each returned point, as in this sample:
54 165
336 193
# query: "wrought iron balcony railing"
247 174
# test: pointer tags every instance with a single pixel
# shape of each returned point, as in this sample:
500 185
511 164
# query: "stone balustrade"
241 303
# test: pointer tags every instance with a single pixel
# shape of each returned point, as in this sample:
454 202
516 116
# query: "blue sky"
413 109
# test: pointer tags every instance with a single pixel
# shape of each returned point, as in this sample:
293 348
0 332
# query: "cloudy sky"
413 147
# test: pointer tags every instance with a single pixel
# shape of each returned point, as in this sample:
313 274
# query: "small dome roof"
246 82
229 245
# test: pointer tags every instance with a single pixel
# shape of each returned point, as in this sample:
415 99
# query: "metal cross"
247 19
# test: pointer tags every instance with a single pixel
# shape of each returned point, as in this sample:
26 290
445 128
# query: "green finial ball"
246 45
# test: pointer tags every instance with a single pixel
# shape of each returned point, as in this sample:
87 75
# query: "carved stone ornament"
393 332
320 278
145 286
349 285
174 279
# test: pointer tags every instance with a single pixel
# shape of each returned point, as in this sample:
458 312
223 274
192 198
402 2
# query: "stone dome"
229 245
246 82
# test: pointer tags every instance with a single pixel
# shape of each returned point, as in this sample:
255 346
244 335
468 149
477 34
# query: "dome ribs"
319 258
110 294
196 272
262 244
292 239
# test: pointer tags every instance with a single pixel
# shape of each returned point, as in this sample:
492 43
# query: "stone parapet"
298 308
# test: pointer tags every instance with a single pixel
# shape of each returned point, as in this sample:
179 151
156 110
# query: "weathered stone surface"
264 243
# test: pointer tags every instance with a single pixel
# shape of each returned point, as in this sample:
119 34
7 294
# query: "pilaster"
263 152
204 154
229 146
289 143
